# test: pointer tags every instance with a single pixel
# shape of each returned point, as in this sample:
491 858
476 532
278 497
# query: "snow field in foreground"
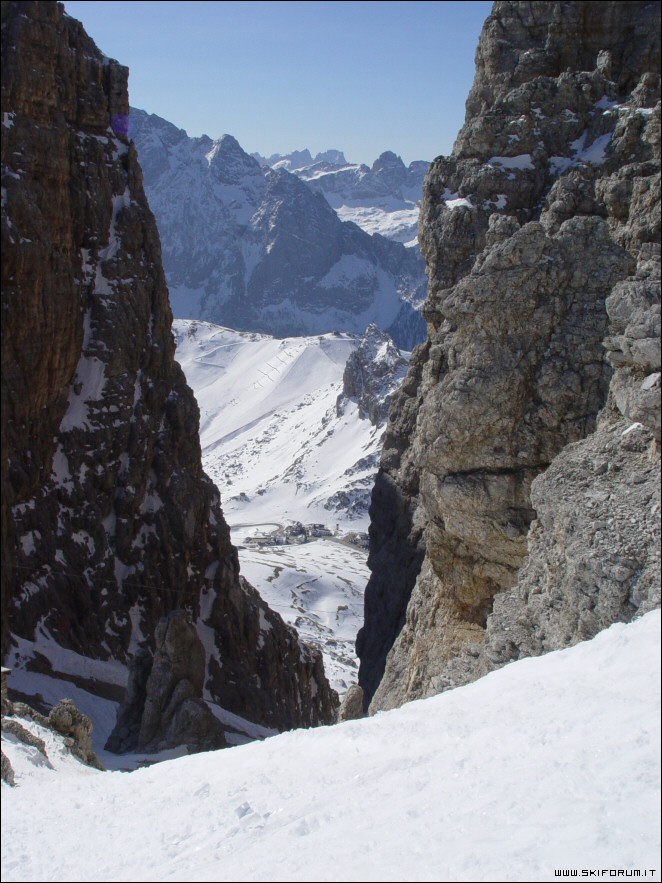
549 763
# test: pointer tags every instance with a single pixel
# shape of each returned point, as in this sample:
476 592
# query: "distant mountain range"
257 249
382 199
300 159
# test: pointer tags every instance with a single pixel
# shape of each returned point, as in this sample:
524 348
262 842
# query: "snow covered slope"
256 249
549 764
272 437
383 199
283 449
318 588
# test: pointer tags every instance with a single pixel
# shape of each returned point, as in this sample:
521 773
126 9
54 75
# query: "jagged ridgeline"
108 521
517 505
259 249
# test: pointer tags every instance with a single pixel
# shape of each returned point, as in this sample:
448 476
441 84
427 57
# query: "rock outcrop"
7 771
256 249
76 727
372 375
502 523
351 707
64 718
108 521
164 706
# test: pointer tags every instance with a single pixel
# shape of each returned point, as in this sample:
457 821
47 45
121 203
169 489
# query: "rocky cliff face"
163 707
256 249
372 375
108 522
541 234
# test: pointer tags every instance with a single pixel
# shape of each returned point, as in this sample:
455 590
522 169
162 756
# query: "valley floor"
318 588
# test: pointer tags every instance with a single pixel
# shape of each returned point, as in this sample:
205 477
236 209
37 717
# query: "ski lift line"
256 383
160 590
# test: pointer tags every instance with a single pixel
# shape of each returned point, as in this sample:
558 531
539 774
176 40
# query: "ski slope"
270 434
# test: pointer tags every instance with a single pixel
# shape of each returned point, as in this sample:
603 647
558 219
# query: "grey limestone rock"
633 344
593 556
351 707
372 374
164 706
541 234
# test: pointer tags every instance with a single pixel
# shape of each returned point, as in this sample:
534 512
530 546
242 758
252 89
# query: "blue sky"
363 77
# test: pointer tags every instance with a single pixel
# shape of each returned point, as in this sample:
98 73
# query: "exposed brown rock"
351 707
9 725
76 727
108 521
64 718
7 771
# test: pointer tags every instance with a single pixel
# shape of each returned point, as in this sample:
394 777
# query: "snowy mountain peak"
300 159
390 165
258 249
295 160
154 126
230 163
387 158
381 199
336 157
229 145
